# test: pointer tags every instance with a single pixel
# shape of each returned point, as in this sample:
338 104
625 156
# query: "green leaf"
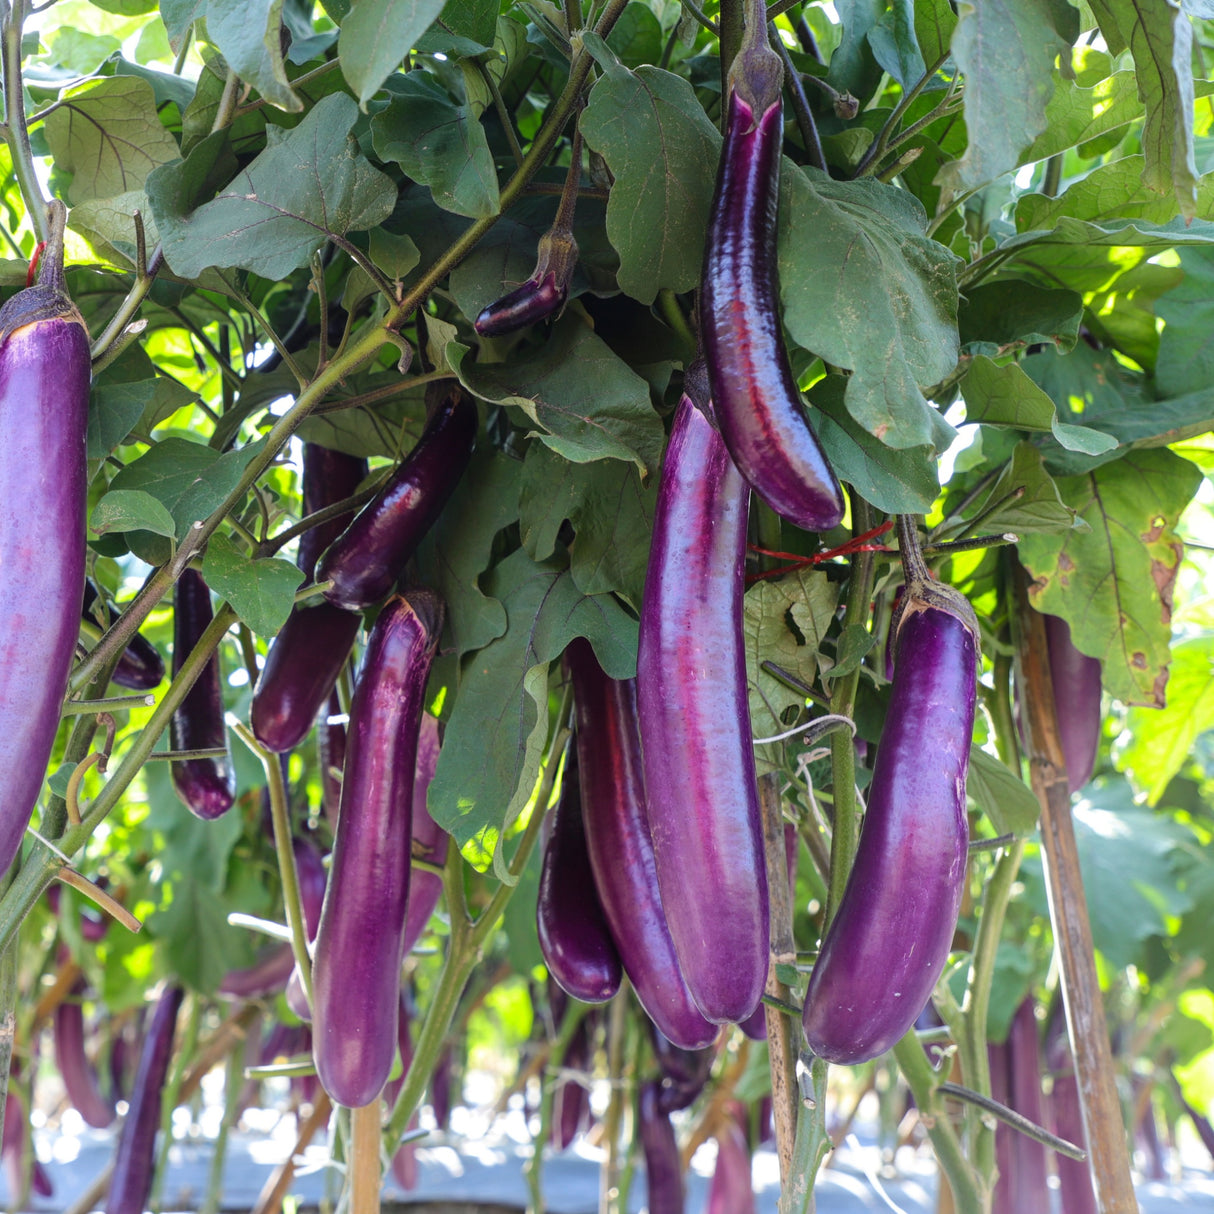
637 36
1003 796
108 135
178 16
1005 396
114 411
497 708
587 402
896 482
1161 740
189 479
458 548
851 649
895 45
439 143
935 22
131 510
82 53
1186 359
892 318
262 592
1006 51
1161 41
662 152
108 226
1038 508
389 427
200 945
249 34
999 317
784 620
475 20
1113 582
610 511
375 38
311 185
1076 115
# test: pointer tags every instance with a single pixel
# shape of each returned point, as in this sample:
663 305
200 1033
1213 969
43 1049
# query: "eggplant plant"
617 339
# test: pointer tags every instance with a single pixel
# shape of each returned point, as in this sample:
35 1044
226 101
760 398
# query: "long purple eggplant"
12 1154
1028 1184
663 1167
1074 1175
890 937
621 848
134 1164
762 418
207 786
404 1159
574 936
307 655
44 390
331 754
684 1072
731 1190
571 1100
364 562
356 974
1076 680
140 668
693 708
429 839
75 1068
998 1064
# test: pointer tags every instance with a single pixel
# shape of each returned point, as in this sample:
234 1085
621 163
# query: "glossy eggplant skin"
329 477
140 668
663 1167
207 786
364 562
134 1163
44 390
1076 681
356 971
1028 1188
331 753
77 1072
684 1072
890 938
692 704
300 672
429 839
761 415
535 300
574 937
621 849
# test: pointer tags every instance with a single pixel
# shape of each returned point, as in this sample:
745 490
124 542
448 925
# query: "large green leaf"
1077 114
310 185
1160 743
376 35
249 33
1005 396
999 317
864 288
497 713
1007 801
1186 356
1006 51
585 401
1025 499
1113 582
261 592
440 143
663 152
108 135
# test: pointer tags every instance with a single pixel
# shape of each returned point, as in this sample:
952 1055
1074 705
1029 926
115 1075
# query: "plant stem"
800 103
16 130
880 145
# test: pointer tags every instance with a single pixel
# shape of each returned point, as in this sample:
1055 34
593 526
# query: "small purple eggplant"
75 1068
140 668
1076 681
429 839
1074 1175
663 1167
365 561
692 705
207 786
541 295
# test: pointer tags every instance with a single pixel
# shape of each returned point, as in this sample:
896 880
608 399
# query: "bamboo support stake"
1108 1152
365 1175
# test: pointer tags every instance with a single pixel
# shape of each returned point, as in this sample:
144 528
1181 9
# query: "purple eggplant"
75 1068
731 1190
571 1100
574 937
684 1072
692 704
1074 1175
12 1154
429 839
140 668
998 1063
1028 1187
404 1158
761 415
329 477
621 848
44 390
663 1166
134 1164
359 946
1076 680
364 562
307 655
541 295
207 786
440 1087
890 938
266 976
300 672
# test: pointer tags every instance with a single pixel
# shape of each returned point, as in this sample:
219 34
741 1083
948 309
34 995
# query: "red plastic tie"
29 274
857 543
